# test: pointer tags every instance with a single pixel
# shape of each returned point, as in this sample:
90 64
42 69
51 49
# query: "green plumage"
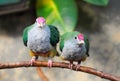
87 44
69 35
25 34
54 37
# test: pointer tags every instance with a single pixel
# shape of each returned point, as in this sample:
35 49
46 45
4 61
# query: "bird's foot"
32 61
49 63
70 65
77 66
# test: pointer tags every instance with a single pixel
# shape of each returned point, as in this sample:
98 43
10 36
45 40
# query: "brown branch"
41 74
60 65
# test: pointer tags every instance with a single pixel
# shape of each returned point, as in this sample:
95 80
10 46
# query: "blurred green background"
100 23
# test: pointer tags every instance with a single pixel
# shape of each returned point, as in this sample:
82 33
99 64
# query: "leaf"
60 13
8 2
98 2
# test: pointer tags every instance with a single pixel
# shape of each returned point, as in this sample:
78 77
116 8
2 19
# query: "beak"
40 25
80 43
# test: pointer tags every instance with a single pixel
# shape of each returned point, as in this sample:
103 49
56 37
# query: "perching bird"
41 39
73 46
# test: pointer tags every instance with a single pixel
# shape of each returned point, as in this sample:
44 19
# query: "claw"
32 61
77 67
70 65
49 63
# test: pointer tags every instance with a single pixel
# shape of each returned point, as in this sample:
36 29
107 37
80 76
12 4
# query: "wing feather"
87 44
54 35
25 34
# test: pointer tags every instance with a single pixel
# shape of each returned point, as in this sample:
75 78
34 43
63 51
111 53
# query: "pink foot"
70 65
49 63
32 61
77 66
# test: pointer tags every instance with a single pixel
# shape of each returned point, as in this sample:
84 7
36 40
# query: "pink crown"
80 36
40 20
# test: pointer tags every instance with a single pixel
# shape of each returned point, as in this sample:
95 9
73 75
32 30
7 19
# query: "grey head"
74 49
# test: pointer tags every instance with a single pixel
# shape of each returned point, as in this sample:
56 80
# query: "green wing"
54 35
87 44
62 41
25 34
67 36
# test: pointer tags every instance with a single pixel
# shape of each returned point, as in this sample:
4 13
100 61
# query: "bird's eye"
75 37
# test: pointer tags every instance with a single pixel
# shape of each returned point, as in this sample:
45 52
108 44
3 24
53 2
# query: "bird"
73 47
41 40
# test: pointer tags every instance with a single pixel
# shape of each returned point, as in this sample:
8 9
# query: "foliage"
98 2
61 13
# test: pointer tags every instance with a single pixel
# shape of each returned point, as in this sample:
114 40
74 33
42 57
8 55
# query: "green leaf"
98 2
60 13
7 2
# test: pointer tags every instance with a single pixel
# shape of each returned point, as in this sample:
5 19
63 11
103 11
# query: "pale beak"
81 42
40 25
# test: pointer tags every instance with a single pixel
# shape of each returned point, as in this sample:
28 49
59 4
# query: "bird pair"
45 40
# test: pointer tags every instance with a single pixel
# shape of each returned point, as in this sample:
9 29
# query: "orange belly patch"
39 54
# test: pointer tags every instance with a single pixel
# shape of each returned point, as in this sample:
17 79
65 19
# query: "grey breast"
39 39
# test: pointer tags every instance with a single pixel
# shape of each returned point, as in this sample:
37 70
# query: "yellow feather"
32 53
83 59
53 52
50 53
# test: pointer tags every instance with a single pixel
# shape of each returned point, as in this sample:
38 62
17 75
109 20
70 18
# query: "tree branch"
60 65
41 74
